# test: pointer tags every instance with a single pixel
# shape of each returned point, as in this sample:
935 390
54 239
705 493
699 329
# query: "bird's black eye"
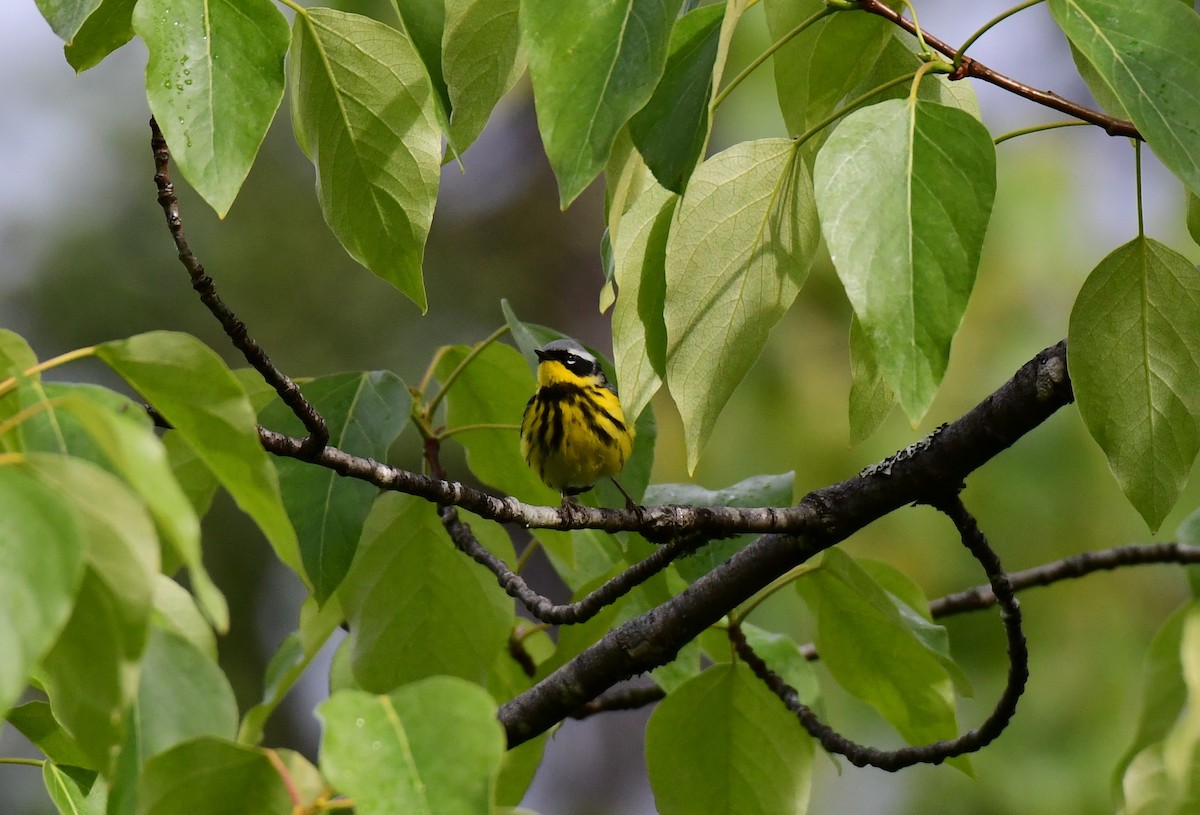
578 365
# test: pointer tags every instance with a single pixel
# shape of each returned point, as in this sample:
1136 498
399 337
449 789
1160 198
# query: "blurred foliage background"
85 257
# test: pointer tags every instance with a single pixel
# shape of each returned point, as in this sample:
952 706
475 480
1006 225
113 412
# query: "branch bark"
932 467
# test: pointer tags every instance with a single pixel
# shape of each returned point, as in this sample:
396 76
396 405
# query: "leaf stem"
529 551
853 105
1025 131
770 51
999 18
926 53
17 418
61 359
466 428
475 351
28 762
294 6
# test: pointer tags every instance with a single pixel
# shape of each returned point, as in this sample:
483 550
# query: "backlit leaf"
481 61
209 776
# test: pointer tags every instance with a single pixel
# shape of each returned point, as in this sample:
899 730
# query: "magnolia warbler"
573 432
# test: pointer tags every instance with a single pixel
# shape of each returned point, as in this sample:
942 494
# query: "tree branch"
235 329
973 68
935 752
935 466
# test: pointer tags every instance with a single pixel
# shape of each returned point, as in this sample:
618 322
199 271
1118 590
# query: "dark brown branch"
235 329
937 465
542 607
621 699
973 68
938 751
1134 554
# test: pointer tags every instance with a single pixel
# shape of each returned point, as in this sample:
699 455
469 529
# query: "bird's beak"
541 355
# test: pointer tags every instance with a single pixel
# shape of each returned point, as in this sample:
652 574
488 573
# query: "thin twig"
973 68
935 752
235 329
630 698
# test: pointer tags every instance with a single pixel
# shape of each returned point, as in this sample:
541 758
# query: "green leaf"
214 80
409 592
42 548
1164 692
671 130
593 63
183 694
138 456
35 721
389 753
1193 216
639 331
364 413
905 191
1164 777
898 58
819 67
424 21
744 237
1134 354
91 672
175 611
208 776
66 16
1145 52
122 547
626 177
195 479
756 491
15 357
871 399
363 110
722 742
69 797
190 386
872 651
108 28
481 61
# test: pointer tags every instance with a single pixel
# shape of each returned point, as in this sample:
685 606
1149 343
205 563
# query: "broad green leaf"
518 769
424 21
1134 355
91 672
905 191
1146 53
183 694
408 594
176 611
784 657
121 547
593 63
209 776
1164 692
15 357
481 61
66 16
871 398
364 412
364 112
69 797
138 456
872 651
819 67
194 478
756 491
1164 777
626 177
389 753
639 332
671 130
744 237
214 80
190 386
722 742
42 547
1193 216
35 721
108 28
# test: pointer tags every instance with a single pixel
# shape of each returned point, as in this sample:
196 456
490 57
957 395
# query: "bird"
573 430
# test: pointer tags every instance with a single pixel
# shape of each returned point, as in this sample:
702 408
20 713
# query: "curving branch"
235 329
935 752
935 466
542 607
973 68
